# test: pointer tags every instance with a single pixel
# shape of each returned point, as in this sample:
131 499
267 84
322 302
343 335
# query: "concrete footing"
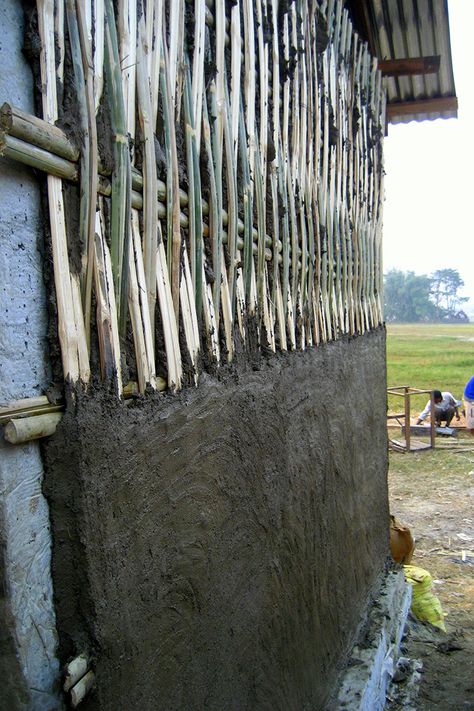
373 661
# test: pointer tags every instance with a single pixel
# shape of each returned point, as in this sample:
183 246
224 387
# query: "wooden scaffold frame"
406 392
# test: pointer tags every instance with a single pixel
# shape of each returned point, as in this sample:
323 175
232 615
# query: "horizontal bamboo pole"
27 406
48 162
53 143
34 130
33 408
75 670
31 155
28 428
82 688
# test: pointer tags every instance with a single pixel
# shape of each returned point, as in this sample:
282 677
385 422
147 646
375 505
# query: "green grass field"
429 357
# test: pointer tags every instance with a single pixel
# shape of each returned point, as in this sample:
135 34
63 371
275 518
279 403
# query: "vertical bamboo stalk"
99 48
215 211
170 327
66 319
144 323
127 31
247 191
107 324
90 160
191 329
195 199
198 66
173 206
150 186
121 176
236 59
232 196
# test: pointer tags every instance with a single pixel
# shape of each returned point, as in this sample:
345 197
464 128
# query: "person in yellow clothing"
445 408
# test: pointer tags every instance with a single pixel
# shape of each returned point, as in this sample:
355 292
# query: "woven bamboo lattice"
244 186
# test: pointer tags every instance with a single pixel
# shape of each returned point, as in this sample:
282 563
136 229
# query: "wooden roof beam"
409 66
422 106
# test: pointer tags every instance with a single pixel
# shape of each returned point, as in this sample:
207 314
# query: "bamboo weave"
264 121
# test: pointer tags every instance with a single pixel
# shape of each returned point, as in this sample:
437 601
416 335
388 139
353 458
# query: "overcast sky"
429 207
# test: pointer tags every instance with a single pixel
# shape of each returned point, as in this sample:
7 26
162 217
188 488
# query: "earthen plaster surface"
216 549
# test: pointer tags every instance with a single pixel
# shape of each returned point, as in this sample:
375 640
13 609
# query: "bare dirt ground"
432 492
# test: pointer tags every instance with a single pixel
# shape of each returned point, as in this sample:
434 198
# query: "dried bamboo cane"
35 131
198 67
232 196
236 60
91 158
195 200
66 318
188 309
247 192
128 46
144 322
173 206
150 212
107 325
170 328
99 50
215 224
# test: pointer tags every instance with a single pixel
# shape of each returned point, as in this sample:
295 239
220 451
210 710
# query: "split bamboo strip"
129 45
188 308
107 326
146 316
168 317
141 354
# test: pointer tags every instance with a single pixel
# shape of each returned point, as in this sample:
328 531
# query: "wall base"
373 661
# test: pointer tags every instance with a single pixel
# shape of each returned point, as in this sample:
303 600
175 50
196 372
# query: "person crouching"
445 407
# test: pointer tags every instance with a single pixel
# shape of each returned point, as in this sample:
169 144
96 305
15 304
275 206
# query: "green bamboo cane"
195 204
121 176
231 171
93 159
216 162
248 207
80 85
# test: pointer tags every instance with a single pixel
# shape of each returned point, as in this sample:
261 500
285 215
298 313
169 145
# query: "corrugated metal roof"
399 29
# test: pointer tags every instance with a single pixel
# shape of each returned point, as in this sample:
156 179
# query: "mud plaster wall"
217 548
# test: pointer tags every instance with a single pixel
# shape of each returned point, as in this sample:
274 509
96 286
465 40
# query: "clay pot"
402 544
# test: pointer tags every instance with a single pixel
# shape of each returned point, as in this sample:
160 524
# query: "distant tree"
407 297
445 285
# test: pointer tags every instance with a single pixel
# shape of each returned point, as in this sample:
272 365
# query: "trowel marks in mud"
216 549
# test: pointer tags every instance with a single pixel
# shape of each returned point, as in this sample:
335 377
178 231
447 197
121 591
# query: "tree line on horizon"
412 298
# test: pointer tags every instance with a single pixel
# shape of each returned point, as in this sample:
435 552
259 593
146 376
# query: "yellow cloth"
424 605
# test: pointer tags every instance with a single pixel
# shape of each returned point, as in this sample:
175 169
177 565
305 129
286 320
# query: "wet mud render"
217 549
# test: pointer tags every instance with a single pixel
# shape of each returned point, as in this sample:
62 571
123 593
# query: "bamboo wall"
244 188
